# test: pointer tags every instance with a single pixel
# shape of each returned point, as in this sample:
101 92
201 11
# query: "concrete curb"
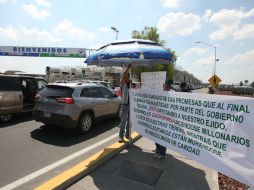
79 171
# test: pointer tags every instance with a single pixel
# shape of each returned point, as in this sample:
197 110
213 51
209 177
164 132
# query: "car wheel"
85 123
5 118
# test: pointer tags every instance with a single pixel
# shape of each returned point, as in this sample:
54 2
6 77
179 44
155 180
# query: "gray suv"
75 105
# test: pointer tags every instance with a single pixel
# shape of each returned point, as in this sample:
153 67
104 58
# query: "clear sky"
226 24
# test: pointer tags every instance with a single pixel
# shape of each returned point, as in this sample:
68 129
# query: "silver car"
75 105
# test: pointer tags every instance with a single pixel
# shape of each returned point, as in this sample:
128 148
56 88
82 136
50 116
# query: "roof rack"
13 72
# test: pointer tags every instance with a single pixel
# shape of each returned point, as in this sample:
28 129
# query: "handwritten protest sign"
153 80
217 131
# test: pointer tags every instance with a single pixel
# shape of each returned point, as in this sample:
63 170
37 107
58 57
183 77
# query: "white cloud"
8 33
21 35
195 51
207 15
44 3
246 32
104 29
227 17
66 29
34 12
223 32
242 58
7 1
229 23
64 33
171 3
179 23
205 61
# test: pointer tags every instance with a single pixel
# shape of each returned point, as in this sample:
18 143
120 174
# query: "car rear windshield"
57 91
9 84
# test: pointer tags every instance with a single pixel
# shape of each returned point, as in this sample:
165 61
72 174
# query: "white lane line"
31 176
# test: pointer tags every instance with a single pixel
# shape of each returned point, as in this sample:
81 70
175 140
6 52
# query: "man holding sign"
124 125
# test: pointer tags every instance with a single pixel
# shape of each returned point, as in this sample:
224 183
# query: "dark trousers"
160 149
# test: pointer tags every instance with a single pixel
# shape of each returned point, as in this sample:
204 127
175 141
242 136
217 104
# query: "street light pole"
116 31
215 59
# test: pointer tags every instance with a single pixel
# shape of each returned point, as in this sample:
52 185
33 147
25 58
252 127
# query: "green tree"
241 83
151 33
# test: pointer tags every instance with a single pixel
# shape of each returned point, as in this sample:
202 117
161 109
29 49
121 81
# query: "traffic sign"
214 80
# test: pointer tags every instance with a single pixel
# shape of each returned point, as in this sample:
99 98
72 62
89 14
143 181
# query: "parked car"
75 105
175 87
17 94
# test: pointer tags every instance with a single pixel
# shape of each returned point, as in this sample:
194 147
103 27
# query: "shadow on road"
17 118
67 137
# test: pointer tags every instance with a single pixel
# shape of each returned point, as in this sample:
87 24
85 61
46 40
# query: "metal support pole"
130 140
129 126
215 60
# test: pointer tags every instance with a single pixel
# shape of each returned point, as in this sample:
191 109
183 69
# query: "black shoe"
120 139
158 156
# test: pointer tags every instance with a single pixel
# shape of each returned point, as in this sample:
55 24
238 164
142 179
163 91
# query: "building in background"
111 74
183 76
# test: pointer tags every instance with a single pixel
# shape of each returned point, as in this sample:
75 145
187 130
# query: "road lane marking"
46 169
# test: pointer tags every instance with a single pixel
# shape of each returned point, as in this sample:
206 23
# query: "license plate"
47 114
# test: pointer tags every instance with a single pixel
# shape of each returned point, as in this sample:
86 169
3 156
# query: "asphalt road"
27 146
201 90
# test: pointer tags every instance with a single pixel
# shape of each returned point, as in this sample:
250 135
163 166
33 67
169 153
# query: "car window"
106 93
56 91
10 84
104 84
41 84
109 86
92 92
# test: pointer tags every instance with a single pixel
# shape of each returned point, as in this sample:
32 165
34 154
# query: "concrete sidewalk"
135 168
